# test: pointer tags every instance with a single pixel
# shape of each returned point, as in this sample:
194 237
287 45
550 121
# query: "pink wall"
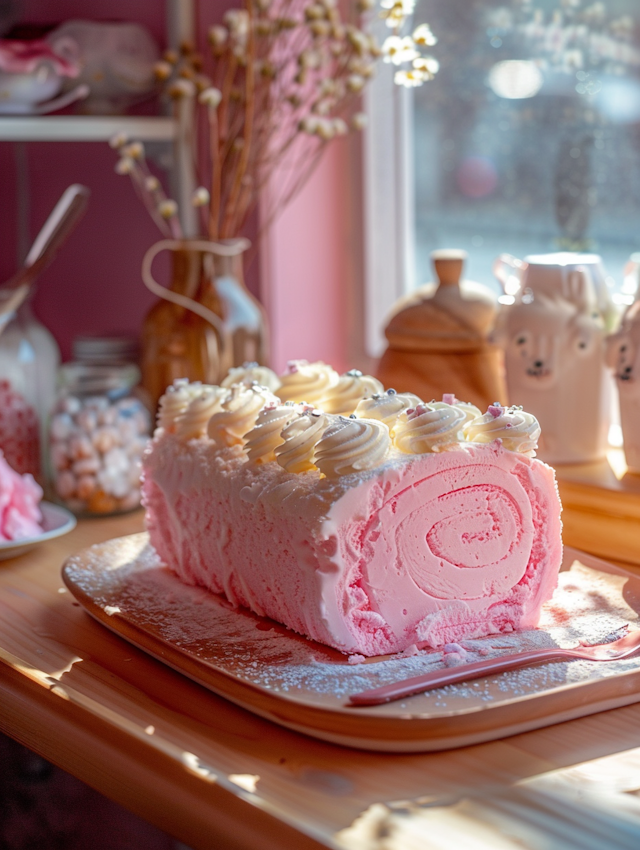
94 284
305 273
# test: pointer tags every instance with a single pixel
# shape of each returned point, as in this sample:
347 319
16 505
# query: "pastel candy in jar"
97 434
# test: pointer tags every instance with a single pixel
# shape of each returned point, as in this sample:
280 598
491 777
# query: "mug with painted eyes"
555 368
623 358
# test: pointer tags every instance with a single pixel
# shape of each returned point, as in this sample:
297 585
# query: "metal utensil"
614 651
55 231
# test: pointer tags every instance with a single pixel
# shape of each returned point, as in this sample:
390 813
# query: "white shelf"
85 128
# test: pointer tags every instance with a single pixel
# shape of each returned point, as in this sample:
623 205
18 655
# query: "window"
527 141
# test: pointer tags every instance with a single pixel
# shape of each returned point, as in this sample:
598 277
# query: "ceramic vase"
206 321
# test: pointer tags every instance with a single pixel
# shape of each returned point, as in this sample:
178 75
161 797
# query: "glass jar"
97 433
29 359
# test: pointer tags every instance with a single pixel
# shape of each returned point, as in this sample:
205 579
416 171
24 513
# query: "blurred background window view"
528 139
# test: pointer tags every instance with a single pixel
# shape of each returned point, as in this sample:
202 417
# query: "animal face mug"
554 345
623 356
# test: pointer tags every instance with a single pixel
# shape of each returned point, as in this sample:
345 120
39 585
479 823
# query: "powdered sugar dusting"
589 606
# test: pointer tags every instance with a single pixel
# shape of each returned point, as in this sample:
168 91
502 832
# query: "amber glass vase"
207 320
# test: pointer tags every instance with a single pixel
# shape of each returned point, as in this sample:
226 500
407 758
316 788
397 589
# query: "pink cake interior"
424 550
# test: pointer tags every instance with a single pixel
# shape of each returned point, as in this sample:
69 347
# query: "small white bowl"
56 521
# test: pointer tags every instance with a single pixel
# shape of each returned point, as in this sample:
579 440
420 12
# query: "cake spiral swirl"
265 436
429 428
352 445
296 454
193 421
174 402
238 413
519 431
387 407
351 388
252 373
310 382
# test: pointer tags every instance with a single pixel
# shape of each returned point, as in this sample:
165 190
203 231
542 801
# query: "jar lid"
91 348
109 379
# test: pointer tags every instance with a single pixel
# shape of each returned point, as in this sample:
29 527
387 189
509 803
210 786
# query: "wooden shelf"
86 128
601 504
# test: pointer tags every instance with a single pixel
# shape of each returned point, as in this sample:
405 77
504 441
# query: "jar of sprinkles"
97 432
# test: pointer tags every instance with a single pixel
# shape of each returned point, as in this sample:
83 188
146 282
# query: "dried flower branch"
281 80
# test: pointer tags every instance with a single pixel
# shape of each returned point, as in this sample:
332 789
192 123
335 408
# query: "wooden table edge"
197 810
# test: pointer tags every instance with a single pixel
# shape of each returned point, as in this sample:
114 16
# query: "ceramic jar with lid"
439 339
97 433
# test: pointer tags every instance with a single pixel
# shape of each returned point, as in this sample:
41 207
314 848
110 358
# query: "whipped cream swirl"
470 411
174 402
192 422
296 454
310 382
351 388
252 373
238 413
263 439
387 407
429 428
518 430
352 445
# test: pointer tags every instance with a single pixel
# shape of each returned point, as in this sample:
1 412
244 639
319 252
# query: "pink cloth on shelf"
20 496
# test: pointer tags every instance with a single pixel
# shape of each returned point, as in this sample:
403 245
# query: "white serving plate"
56 521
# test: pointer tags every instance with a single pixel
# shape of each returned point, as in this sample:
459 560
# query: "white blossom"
200 197
423 36
409 79
125 165
168 208
135 150
426 65
210 97
218 35
118 140
151 183
355 82
359 121
399 50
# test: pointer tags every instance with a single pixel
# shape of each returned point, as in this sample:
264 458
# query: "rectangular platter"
271 671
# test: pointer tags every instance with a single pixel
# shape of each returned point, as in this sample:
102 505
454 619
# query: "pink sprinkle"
449 398
410 411
495 410
420 409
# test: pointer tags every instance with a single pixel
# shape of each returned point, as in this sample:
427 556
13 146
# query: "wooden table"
215 776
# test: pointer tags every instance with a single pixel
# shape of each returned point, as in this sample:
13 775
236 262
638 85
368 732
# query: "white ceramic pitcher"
556 275
553 336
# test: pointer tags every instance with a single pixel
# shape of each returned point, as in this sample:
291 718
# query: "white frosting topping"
238 413
387 407
351 388
429 428
519 431
310 382
175 401
252 373
296 454
265 436
193 421
352 445
470 411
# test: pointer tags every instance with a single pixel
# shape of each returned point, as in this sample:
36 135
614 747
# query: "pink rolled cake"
402 524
